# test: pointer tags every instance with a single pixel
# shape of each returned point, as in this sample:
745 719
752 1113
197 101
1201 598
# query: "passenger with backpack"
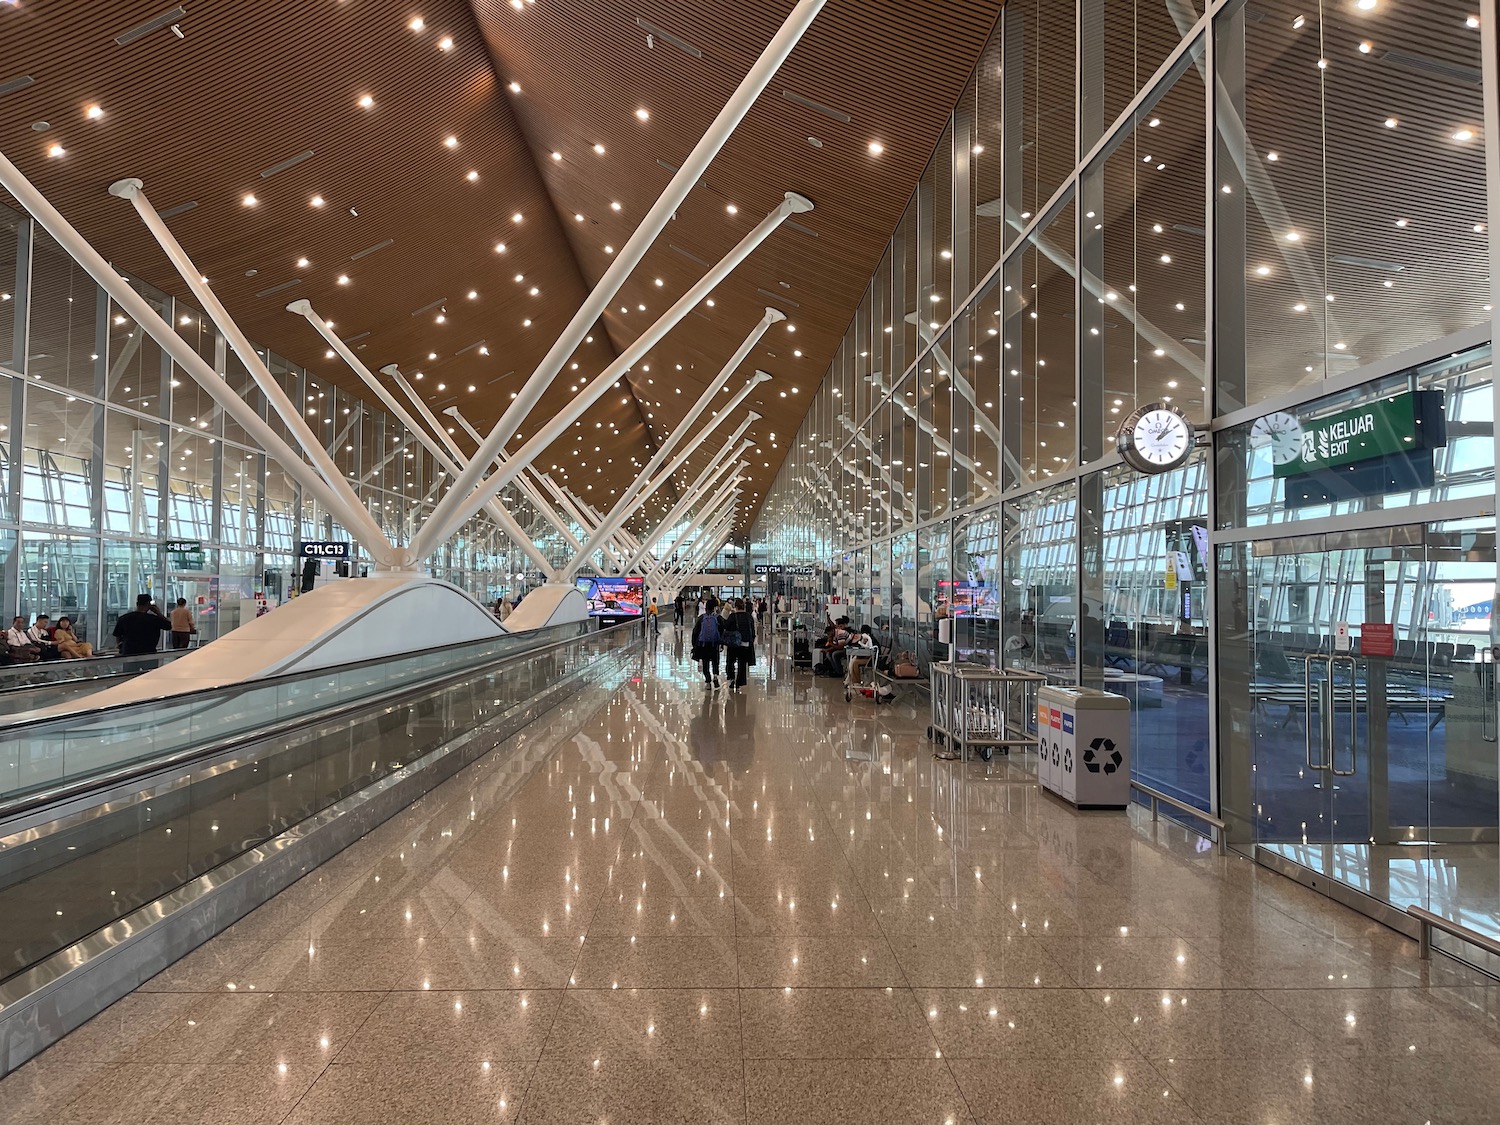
706 647
739 645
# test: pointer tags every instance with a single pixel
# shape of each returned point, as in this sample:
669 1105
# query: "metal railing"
1219 835
1428 921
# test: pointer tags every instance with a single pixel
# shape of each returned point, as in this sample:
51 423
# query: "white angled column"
633 492
655 221
715 531
707 479
451 513
365 531
496 510
620 513
523 481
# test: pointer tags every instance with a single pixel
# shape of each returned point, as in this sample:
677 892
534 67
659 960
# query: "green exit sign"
1374 430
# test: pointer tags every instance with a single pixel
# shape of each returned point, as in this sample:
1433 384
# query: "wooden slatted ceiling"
250 85
895 68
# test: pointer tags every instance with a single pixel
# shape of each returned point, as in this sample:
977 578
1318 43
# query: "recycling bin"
1085 735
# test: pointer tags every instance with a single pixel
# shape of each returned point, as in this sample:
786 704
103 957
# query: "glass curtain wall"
1234 210
122 477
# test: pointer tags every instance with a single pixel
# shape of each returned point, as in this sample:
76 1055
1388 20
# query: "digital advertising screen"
614 597
968 599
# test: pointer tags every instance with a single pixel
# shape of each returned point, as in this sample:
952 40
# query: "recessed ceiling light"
417 24
343 279
577 218
1391 122
93 113
472 176
643 114
515 87
57 150
1464 135
609 249
473 294
1273 156
499 248
366 102
445 43
451 142
248 201
876 148
518 217
316 201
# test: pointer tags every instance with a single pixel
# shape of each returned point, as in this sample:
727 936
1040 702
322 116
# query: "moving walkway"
130 834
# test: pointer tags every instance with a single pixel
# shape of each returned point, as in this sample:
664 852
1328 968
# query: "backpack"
708 632
732 635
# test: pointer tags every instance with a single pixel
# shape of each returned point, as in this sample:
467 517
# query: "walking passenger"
182 624
739 644
706 648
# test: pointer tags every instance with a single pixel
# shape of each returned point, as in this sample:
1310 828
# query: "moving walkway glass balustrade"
64 879
38 755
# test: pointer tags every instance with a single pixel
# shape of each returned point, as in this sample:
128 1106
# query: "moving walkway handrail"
1220 835
144 767
1429 921
9 729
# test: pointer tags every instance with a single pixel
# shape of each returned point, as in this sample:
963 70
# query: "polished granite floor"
666 905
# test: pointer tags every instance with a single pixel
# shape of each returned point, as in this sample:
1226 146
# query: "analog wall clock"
1157 438
1281 434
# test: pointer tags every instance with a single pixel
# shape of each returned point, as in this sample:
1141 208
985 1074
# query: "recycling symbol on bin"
1068 759
1102 754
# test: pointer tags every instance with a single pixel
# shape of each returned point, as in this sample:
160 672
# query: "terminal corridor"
664 904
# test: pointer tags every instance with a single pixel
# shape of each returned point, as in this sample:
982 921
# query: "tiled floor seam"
353 1034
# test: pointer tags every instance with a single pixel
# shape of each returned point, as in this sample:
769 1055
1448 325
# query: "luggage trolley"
983 709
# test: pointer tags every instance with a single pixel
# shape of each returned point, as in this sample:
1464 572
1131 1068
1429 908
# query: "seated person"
18 641
838 641
861 654
69 647
41 636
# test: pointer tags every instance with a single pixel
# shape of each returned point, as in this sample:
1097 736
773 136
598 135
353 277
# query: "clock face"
1156 438
1281 433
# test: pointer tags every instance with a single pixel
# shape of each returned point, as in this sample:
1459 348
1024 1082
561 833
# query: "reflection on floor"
778 907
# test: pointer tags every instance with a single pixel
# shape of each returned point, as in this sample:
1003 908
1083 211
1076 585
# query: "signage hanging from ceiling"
1377 429
323 550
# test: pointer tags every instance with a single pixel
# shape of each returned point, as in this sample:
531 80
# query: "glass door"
1366 754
